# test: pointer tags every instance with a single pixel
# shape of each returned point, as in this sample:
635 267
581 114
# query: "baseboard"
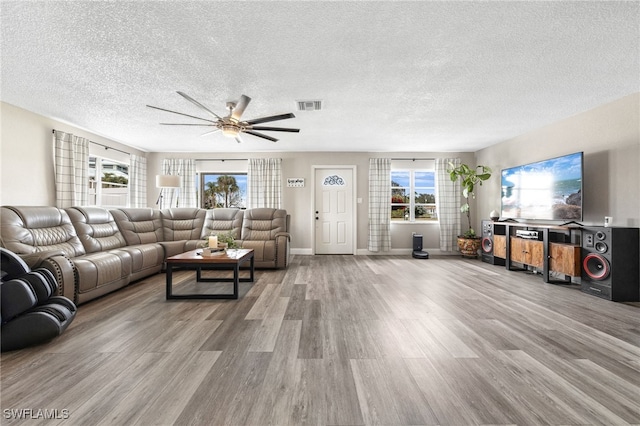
405 252
392 252
301 251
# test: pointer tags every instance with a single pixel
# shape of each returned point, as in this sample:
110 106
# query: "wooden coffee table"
231 260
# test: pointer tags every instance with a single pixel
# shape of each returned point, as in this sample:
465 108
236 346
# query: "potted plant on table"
227 240
219 241
469 177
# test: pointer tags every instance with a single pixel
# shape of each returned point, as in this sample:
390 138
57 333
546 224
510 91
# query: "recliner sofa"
92 251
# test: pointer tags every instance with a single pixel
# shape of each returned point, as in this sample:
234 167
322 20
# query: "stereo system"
610 263
487 244
525 233
609 257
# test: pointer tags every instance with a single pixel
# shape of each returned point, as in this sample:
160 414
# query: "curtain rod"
108 148
102 145
224 159
411 159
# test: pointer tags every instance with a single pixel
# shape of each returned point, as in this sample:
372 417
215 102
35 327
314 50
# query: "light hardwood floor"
342 340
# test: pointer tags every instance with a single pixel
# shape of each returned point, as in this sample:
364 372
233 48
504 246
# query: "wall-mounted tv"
544 190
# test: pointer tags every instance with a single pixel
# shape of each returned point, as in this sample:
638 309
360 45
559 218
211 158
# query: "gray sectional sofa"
93 251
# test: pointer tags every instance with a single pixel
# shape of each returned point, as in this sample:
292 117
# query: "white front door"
334 210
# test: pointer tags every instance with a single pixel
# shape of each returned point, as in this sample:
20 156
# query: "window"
108 182
413 196
223 190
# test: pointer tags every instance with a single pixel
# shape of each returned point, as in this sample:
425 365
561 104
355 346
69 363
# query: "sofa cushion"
104 269
139 226
30 229
263 224
223 220
182 223
96 228
146 259
263 251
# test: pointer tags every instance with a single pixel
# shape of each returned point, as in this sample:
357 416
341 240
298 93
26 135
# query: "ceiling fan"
231 125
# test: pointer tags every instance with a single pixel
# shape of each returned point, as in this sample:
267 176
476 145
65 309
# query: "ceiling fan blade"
187 124
260 135
193 101
238 139
240 107
208 133
275 129
179 113
271 118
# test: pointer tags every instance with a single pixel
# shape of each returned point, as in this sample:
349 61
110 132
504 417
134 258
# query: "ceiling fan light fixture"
230 130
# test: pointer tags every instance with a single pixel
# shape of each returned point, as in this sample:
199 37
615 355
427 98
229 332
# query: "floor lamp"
166 181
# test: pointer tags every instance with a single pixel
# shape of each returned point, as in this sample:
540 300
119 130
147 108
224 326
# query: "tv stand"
572 222
546 248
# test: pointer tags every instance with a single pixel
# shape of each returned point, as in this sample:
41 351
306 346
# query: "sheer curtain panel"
264 182
379 204
448 195
186 195
71 158
137 181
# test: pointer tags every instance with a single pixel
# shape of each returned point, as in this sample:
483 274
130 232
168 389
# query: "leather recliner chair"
31 313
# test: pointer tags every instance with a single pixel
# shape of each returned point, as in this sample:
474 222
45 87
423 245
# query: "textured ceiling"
393 76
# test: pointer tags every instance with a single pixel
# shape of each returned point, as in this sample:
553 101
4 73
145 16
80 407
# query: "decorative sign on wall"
295 182
334 180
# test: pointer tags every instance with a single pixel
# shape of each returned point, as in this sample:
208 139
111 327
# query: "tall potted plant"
469 177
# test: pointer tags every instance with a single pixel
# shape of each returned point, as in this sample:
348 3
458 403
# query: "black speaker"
487 244
610 259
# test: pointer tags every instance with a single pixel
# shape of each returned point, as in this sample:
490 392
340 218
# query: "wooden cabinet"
547 248
564 259
500 246
527 252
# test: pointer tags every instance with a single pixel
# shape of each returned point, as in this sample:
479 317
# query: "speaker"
610 259
487 244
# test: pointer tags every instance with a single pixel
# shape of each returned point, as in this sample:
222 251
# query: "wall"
609 136
26 148
298 201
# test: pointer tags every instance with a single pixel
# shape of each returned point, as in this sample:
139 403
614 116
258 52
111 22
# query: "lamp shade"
167 181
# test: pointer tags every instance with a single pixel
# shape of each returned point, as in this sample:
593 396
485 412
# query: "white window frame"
412 202
200 184
98 182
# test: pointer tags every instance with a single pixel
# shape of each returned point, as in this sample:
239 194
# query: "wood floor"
341 340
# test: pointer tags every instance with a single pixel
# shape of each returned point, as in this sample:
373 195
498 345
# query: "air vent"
309 105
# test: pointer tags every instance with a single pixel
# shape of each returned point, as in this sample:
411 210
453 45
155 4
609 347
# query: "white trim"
301 251
365 252
405 252
354 209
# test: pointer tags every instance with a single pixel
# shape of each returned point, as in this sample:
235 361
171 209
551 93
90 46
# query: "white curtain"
448 196
379 204
186 195
71 163
264 183
137 181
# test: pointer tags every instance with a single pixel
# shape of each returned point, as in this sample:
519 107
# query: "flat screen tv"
544 190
